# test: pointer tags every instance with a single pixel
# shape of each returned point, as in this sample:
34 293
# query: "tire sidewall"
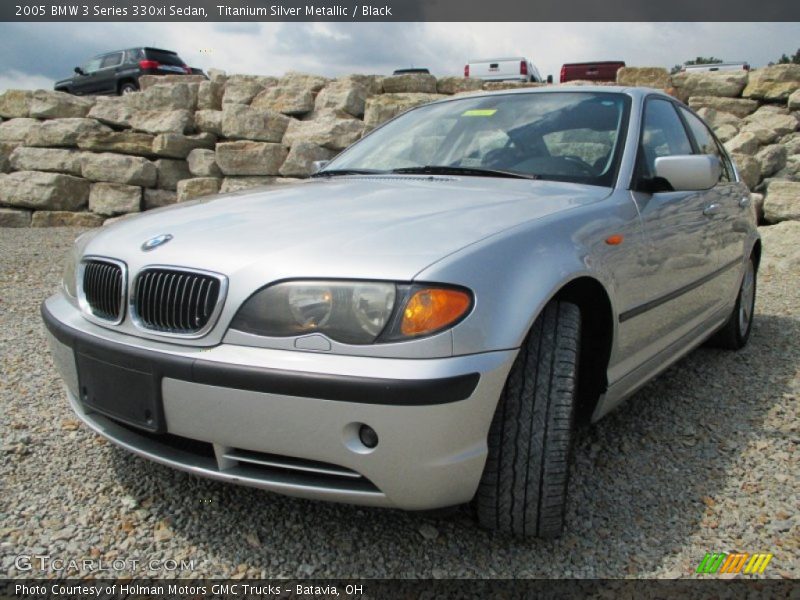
127 88
743 336
524 487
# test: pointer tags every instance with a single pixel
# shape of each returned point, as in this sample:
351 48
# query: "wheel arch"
756 252
597 337
125 80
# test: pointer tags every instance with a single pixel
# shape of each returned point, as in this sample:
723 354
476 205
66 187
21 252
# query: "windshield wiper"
334 172
469 171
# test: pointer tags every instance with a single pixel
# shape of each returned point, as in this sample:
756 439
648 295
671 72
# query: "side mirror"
318 165
689 172
79 71
549 79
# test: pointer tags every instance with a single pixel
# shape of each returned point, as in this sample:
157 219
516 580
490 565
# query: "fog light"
368 436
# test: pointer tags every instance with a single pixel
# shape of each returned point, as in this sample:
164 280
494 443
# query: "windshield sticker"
483 112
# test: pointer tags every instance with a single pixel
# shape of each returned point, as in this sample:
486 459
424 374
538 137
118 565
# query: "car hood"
384 227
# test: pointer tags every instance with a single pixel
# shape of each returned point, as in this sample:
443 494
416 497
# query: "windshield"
563 136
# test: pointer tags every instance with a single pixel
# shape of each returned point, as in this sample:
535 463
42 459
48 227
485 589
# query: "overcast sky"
36 54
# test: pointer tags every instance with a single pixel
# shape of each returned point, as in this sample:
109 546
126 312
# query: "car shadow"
641 481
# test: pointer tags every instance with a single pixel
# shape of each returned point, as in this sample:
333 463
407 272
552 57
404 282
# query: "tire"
736 331
128 87
523 490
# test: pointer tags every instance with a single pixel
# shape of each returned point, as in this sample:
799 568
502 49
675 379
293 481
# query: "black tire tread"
523 489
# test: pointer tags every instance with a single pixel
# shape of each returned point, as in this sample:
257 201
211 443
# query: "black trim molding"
364 390
647 306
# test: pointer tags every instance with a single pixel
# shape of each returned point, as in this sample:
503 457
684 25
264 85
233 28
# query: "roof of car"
636 92
156 49
501 59
137 48
594 62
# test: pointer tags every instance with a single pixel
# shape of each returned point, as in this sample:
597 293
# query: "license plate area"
130 393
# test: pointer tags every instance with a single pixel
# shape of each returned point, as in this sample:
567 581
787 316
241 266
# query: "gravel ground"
703 459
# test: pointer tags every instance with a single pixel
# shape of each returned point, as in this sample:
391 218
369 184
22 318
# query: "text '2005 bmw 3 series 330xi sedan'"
421 323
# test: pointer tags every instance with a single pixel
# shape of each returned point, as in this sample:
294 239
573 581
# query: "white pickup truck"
729 66
503 69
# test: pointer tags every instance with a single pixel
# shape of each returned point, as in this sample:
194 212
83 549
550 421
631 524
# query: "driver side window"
707 144
93 65
663 134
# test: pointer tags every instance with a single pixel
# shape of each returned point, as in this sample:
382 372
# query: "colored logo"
720 563
157 241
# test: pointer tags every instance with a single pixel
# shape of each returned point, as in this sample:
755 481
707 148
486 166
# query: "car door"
85 82
106 80
728 207
672 289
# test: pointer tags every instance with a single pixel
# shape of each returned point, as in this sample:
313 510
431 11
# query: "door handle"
711 210
744 202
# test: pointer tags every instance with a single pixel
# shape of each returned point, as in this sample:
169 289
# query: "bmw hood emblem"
157 241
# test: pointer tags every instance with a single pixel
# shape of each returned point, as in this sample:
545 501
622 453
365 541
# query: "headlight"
71 260
433 309
311 306
352 312
69 278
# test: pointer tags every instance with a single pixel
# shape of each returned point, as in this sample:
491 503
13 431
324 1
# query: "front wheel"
736 331
523 490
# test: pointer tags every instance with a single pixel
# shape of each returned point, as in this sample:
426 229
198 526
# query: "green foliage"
790 60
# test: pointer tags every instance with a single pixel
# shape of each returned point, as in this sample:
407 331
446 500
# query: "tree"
793 60
700 60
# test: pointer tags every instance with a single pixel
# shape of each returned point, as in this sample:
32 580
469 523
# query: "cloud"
549 45
17 80
238 27
51 50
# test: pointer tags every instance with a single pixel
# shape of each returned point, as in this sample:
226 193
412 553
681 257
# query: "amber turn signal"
432 309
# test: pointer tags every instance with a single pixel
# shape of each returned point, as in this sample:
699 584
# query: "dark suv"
118 72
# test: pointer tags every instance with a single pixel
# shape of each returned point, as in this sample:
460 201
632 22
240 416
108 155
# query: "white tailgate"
496 69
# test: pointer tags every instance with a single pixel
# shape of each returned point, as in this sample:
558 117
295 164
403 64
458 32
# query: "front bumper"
288 421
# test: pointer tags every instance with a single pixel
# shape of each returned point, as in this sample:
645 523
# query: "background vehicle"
728 66
591 71
503 69
411 70
118 72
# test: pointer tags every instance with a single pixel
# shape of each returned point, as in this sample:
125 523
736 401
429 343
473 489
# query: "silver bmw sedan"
422 323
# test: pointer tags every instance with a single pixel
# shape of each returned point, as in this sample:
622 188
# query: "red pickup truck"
591 71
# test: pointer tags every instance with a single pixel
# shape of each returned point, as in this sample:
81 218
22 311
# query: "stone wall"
67 160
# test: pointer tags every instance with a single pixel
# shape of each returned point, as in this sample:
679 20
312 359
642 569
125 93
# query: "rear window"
165 58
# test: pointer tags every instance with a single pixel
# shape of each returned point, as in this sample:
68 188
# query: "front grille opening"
249 467
103 289
170 440
175 301
312 473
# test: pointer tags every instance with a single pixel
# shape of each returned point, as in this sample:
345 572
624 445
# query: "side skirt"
624 387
